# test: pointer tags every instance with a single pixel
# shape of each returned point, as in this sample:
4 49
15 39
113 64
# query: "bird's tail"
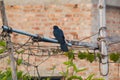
64 47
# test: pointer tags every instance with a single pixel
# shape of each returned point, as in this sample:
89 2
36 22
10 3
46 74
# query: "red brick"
75 20
36 28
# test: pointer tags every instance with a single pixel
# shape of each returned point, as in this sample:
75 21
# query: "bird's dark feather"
59 35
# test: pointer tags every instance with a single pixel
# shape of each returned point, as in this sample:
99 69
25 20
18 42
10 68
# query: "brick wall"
113 30
113 24
76 20
72 18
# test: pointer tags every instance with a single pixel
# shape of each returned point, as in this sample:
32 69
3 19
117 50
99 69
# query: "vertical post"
9 44
102 34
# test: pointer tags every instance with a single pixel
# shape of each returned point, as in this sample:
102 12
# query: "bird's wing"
62 34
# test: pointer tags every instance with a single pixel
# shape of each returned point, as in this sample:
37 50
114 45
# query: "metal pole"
44 39
9 44
104 59
51 40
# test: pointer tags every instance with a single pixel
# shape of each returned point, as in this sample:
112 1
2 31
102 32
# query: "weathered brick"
74 19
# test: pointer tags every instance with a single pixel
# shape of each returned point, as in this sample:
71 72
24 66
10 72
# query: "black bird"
59 35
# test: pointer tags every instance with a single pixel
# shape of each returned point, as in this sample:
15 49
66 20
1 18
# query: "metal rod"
44 39
104 53
6 28
51 40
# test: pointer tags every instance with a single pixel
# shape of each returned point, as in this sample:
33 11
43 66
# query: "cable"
24 43
45 59
39 78
88 37
117 42
28 45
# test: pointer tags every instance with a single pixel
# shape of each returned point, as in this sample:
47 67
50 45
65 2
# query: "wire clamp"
36 39
9 30
102 28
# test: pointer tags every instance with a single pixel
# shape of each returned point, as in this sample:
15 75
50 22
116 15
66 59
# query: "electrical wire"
38 47
88 37
114 43
117 42
24 43
32 53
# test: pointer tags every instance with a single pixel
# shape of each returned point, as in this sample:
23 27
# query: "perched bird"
59 35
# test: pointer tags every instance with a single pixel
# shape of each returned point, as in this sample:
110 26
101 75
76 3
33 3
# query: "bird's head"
55 27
